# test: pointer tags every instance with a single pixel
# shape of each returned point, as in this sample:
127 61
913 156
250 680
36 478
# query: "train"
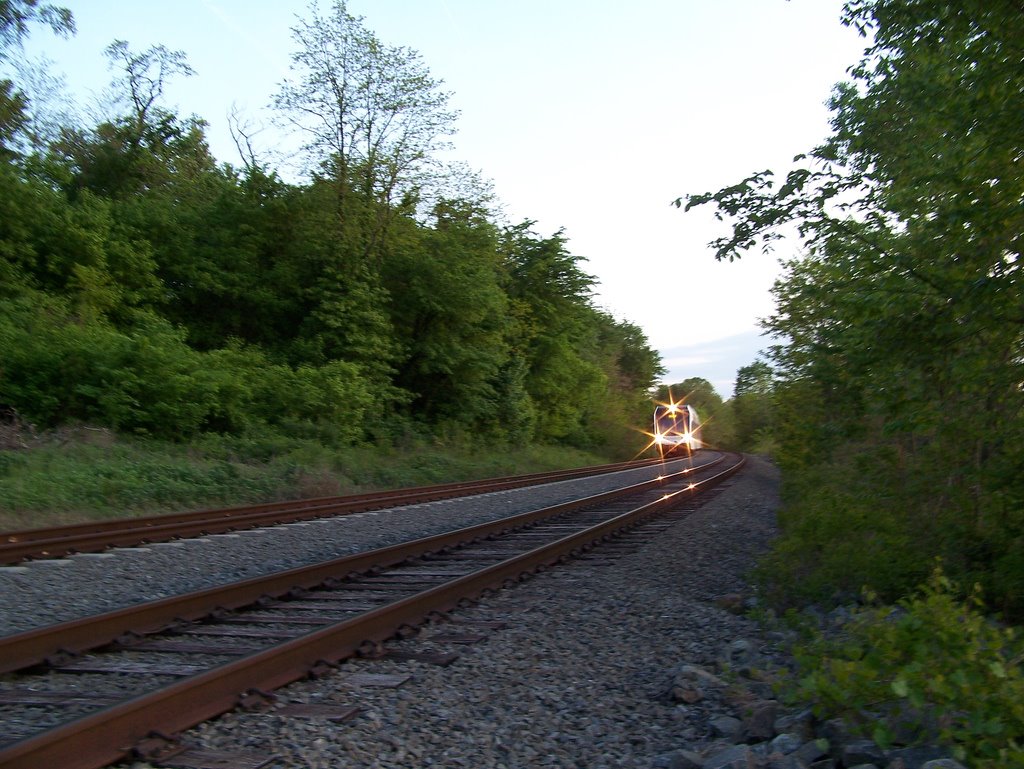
676 429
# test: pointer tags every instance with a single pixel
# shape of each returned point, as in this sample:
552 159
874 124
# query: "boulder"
726 727
678 759
759 721
916 757
861 752
786 743
736 757
812 751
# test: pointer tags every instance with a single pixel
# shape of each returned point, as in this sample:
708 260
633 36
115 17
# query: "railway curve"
206 693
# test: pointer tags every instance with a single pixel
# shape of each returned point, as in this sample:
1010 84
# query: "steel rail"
72 637
49 542
101 738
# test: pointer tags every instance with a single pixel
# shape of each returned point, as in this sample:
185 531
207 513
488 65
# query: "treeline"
897 400
148 288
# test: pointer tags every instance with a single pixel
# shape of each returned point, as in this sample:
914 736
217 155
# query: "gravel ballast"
580 676
44 592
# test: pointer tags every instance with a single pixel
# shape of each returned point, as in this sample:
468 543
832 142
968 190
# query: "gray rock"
863 766
736 757
689 683
835 731
861 752
801 724
759 724
726 726
739 652
786 743
779 761
731 602
678 759
943 763
915 758
810 752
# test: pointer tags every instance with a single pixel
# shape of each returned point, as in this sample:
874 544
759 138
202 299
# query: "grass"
82 474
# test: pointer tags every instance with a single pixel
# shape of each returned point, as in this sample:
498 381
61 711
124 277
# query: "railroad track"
199 652
53 542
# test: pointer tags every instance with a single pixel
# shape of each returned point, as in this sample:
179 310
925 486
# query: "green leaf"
899 686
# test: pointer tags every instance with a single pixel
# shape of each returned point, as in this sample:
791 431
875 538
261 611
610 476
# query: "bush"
57 368
836 538
932 669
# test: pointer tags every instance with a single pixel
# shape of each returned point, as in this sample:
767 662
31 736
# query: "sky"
588 116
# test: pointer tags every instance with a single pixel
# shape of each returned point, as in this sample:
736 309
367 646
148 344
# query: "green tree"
15 17
146 146
552 330
371 116
619 420
448 309
752 405
904 317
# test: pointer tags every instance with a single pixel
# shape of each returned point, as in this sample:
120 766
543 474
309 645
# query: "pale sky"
587 115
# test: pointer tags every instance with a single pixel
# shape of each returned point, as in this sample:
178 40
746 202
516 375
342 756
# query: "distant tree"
449 310
552 329
696 391
752 405
145 146
630 367
13 118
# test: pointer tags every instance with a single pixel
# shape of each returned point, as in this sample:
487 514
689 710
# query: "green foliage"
696 391
147 380
932 669
56 367
448 310
82 479
837 536
903 314
753 408
146 289
15 16
580 363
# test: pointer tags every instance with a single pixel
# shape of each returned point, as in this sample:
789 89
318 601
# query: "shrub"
934 668
56 367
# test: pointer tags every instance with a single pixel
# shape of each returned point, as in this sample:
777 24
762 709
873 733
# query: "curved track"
95 536
351 604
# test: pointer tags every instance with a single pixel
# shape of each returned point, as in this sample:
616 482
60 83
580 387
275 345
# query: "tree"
449 309
905 314
552 329
15 16
146 146
371 116
752 405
